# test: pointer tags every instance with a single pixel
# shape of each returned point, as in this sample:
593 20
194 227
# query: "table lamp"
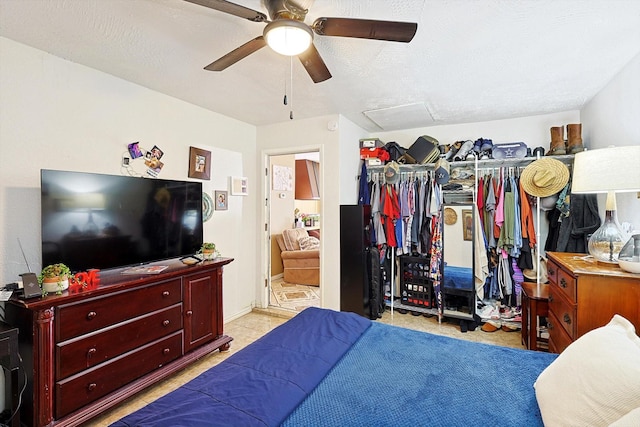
607 170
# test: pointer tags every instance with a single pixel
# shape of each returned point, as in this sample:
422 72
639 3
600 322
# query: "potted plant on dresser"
208 250
54 278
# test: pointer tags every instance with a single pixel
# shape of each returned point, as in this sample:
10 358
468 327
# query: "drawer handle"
166 351
549 325
165 294
563 283
92 386
92 351
550 298
91 315
165 323
566 318
189 312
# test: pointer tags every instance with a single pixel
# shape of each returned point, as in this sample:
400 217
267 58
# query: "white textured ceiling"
469 61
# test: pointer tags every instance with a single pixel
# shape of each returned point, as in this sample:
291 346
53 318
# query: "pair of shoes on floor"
491 326
488 312
509 327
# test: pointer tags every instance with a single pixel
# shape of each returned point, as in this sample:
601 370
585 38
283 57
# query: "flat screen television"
101 221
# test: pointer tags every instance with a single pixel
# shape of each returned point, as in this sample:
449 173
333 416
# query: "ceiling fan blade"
315 66
232 9
237 54
366 29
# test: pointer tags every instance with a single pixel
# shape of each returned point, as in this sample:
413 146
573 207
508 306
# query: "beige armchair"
300 266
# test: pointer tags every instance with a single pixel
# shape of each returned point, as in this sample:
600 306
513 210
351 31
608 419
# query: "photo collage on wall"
151 159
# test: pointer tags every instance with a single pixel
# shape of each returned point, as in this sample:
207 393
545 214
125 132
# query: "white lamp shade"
602 170
288 37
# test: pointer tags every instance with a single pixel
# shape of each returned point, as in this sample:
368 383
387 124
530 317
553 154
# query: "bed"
333 369
458 278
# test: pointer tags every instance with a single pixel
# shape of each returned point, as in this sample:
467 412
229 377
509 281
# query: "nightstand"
535 303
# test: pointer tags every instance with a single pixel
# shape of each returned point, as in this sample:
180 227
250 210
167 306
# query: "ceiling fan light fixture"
288 37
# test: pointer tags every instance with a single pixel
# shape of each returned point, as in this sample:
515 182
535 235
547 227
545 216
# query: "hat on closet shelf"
391 173
544 177
442 171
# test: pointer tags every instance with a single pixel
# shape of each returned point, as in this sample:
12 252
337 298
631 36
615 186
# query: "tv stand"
85 352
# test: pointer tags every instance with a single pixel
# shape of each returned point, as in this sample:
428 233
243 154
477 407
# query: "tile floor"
252 326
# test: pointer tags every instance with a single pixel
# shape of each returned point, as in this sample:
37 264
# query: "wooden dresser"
86 351
585 294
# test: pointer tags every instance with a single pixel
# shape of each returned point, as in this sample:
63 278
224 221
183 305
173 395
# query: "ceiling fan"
286 33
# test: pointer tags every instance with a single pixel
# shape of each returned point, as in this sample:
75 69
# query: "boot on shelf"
574 138
557 146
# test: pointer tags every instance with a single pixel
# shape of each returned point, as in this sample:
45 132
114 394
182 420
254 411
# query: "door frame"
264 285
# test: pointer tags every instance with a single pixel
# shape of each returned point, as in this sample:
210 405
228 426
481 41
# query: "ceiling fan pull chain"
291 86
285 89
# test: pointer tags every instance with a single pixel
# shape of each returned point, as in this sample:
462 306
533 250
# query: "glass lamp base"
607 242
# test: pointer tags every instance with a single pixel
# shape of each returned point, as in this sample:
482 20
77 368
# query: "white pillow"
632 419
291 237
595 381
309 243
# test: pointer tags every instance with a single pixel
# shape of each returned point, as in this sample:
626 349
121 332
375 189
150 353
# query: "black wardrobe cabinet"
355 242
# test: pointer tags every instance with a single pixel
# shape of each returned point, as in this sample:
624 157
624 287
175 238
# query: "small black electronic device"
31 287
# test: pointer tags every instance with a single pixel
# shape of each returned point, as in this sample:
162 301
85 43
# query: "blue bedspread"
399 377
263 383
458 278
388 376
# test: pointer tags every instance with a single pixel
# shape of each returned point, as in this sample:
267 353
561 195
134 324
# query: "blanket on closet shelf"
334 369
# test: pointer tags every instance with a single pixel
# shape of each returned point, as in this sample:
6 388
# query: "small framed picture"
467 224
221 200
199 163
239 186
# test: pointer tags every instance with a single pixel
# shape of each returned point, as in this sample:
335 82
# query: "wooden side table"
535 303
10 360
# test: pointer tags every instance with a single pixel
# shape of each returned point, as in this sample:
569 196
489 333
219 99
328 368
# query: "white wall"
309 135
533 130
59 115
611 118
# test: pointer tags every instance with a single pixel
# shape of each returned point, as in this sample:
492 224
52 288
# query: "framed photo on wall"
239 186
221 200
199 163
467 224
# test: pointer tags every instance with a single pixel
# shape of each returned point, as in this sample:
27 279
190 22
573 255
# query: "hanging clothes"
376 214
390 213
582 221
364 197
481 261
435 265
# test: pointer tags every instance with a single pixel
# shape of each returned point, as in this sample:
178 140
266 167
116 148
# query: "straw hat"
544 177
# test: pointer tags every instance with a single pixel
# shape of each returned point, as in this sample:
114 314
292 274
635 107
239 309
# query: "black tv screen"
105 221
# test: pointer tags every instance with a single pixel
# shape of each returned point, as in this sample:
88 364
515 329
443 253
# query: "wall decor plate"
450 216
207 207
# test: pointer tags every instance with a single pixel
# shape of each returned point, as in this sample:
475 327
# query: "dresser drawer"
76 319
567 284
564 311
558 337
74 392
552 271
80 353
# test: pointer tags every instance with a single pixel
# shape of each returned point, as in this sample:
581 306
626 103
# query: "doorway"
293 204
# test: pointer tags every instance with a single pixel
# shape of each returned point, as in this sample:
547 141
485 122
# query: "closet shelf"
482 164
